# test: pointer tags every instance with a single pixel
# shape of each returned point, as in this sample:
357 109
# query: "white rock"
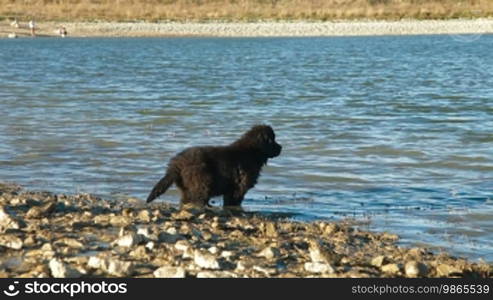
205 260
216 274
172 230
447 270
95 262
144 216
266 271
72 243
170 272
213 250
269 253
144 231
150 245
182 245
47 247
318 267
128 240
379 261
61 270
188 253
226 253
121 221
8 222
11 241
121 232
147 234
119 268
415 269
318 254
390 268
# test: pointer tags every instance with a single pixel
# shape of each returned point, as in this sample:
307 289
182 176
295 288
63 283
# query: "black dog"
204 172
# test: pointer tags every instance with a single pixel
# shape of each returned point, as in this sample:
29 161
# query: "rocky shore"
255 29
54 235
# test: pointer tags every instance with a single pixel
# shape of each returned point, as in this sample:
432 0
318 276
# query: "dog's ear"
262 137
261 133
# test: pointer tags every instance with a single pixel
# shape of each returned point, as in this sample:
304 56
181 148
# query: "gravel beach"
56 235
257 29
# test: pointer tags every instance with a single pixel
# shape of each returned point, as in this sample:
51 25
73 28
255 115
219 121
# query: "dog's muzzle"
276 151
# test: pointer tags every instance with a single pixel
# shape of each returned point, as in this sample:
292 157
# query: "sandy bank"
48 235
260 29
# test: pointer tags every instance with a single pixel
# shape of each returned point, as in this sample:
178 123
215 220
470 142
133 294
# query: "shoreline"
256 29
57 235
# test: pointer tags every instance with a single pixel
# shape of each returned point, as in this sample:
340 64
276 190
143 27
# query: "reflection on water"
396 130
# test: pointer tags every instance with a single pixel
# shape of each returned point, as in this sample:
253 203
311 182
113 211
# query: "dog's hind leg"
194 198
196 190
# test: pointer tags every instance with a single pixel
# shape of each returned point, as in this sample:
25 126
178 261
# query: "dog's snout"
279 148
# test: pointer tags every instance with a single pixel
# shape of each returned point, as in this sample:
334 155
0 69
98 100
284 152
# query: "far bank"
256 29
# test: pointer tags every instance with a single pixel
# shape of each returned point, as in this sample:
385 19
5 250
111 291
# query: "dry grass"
241 10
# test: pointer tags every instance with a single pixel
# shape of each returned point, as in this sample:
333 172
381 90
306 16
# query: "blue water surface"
394 131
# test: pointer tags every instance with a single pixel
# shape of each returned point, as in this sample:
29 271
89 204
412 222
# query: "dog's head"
263 137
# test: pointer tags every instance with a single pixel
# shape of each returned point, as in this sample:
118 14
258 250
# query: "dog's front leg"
232 200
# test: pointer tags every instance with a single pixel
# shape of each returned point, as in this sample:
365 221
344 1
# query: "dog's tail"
162 186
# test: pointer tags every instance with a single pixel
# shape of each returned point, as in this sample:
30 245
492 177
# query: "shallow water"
393 131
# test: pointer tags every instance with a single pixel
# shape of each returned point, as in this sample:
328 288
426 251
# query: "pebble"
172 230
139 253
144 216
318 267
446 270
165 237
7 221
11 241
150 245
331 228
390 269
389 236
72 243
95 262
30 241
205 260
415 269
226 253
119 268
120 221
379 261
170 272
41 211
216 274
265 271
269 253
146 233
213 250
61 270
182 215
271 230
319 254
47 247
129 240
